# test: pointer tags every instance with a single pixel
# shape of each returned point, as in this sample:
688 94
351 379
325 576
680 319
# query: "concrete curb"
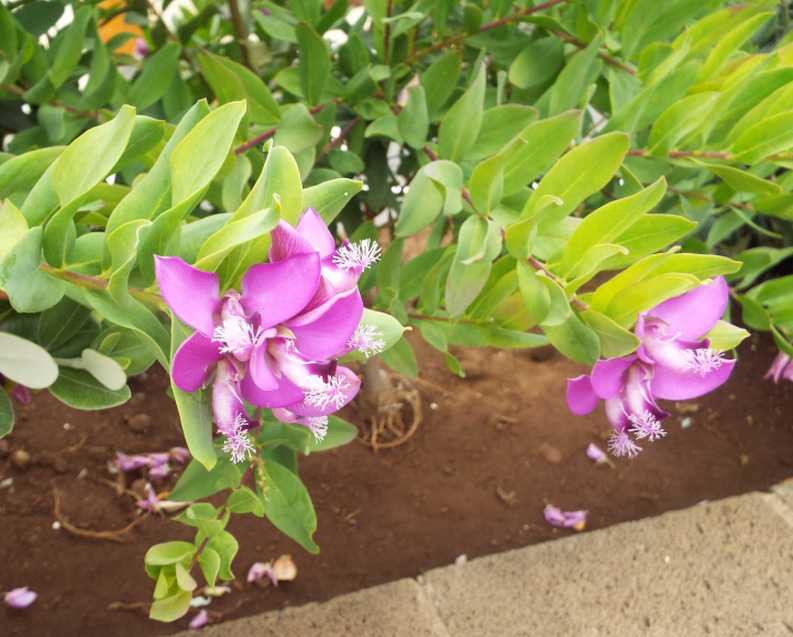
721 568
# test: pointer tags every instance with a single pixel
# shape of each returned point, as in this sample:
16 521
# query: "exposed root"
141 608
119 536
398 400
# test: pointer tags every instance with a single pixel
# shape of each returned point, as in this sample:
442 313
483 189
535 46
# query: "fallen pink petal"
200 620
20 597
596 454
565 519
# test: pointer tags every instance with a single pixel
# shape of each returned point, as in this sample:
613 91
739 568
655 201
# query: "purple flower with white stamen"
368 340
673 362
781 368
317 425
274 344
20 597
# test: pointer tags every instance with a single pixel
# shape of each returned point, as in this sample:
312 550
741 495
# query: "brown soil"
492 451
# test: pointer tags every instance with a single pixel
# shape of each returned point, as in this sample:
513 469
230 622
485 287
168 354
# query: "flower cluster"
673 362
275 343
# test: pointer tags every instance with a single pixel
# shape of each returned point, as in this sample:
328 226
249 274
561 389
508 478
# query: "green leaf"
679 120
401 359
607 224
234 234
479 243
20 173
340 433
314 65
244 500
196 482
79 389
537 63
431 190
125 346
298 130
103 368
157 75
282 188
771 135
184 580
71 47
615 341
413 119
741 180
487 183
729 43
575 340
653 290
578 174
725 336
195 410
388 330
535 149
648 235
6 414
536 295
28 288
209 562
288 506
171 608
573 82
329 197
199 155
14 226
460 126
439 81
90 157
231 81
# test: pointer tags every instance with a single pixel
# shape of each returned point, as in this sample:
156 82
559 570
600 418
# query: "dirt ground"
492 450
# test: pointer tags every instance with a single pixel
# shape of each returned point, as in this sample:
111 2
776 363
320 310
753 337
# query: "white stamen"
358 256
238 443
367 340
646 426
703 361
317 425
331 392
621 444
236 335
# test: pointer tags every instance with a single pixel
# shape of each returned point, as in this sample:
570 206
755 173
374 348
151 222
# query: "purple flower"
20 597
274 344
141 48
200 620
565 519
127 463
673 362
781 368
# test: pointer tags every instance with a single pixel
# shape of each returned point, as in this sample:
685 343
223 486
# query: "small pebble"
139 422
20 459
67 426
5 484
5 448
433 406
56 525
550 453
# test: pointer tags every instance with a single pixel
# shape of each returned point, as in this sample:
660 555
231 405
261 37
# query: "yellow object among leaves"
119 25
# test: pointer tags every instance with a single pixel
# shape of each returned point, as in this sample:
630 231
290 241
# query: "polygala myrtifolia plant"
576 172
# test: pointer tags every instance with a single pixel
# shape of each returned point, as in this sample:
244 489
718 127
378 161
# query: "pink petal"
20 597
581 399
193 360
285 394
780 368
316 232
694 313
226 401
608 375
192 294
260 368
596 454
288 242
324 332
21 394
278 291
347 386
669 384
200 620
